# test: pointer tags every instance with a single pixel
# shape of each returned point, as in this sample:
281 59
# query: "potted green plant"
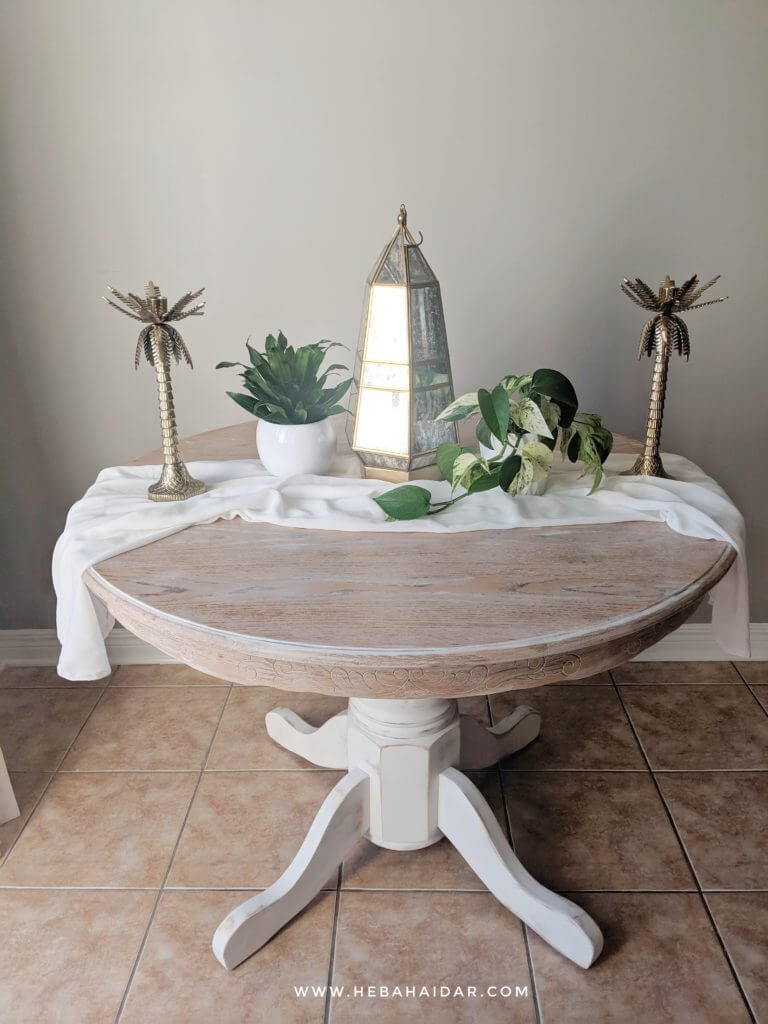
519 424
286 391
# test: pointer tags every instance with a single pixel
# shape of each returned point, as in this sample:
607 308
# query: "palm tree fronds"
631 295
149 311
683 339
712 302
143 307
195 311
182 303
144 338
687 287
647 338
126 299
149 354
175 345
668 304
646 293
125 312
700 291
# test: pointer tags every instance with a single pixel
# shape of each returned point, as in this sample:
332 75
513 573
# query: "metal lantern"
402 377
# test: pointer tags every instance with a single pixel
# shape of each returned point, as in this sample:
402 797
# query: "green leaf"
225 366
483 434
273 413
486 482
510 468
244 401
500 400
332 395
591 419
599 477
550 411
539 456
333 368
589 452
460 408
604 443
573 447
462 469
527 414
259 382
446 456
488 413
257 359
407 502
556 386
550 442
523 478
513 383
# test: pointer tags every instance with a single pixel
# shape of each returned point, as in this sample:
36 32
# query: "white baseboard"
41 647
691 642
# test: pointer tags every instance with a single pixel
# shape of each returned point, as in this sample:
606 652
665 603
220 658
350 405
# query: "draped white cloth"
115 515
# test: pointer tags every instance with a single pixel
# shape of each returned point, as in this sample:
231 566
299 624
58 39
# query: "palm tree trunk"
175 483
649 463
165 397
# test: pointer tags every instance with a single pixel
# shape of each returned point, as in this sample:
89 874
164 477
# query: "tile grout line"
721 940
523 928
332 956
688 859
749 687
171 859
52 772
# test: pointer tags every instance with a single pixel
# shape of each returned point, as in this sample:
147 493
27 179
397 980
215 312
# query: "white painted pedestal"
403 791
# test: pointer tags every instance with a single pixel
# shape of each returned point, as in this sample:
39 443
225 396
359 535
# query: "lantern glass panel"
427 324
385 375
387 328
428 431
382 421
393 269
419 270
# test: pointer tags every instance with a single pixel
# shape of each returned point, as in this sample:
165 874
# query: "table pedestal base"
403 791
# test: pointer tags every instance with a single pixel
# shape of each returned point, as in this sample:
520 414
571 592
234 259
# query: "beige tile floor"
153 803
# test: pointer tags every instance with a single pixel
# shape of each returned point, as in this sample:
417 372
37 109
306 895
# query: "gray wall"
545 148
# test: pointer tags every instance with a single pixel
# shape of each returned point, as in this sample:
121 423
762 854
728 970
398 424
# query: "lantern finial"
402 217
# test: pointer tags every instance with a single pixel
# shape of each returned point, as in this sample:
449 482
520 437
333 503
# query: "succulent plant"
283 384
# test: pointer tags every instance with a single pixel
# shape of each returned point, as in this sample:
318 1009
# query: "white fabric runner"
115 515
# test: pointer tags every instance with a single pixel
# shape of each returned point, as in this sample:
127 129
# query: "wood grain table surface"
404 614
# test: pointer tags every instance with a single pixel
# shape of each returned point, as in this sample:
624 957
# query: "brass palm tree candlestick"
159 341
661 333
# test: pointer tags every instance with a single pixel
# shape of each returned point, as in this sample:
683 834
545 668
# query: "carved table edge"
250 661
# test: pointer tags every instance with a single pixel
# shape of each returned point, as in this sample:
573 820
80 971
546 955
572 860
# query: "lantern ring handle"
415 245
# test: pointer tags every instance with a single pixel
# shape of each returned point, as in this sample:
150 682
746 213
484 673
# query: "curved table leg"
8 806
482 747
467 820
342 819
325 746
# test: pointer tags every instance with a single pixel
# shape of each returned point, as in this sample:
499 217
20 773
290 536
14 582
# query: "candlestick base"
175 484
648 465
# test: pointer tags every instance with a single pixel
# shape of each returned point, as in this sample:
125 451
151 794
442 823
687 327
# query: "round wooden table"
403 624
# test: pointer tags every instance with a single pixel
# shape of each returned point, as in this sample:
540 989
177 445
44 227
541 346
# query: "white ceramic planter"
296 448
538 486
